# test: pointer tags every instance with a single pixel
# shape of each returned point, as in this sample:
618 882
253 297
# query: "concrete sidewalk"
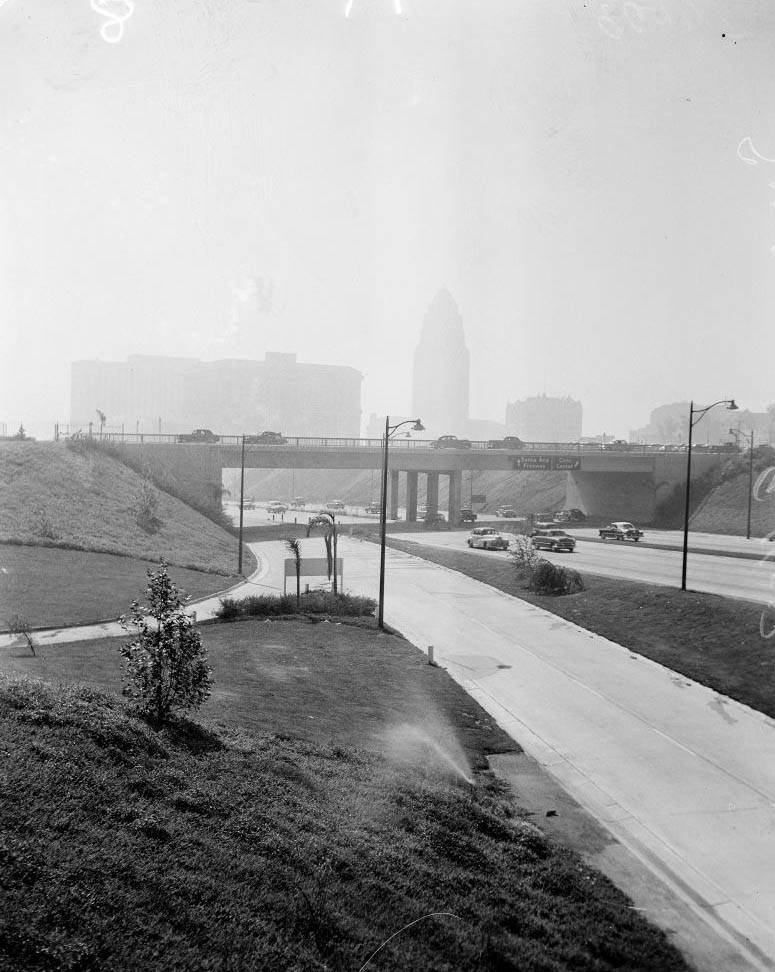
683 777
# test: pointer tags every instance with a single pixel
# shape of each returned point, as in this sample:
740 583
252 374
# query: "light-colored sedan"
485 538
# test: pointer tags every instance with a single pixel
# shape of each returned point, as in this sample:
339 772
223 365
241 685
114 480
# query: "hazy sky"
222 178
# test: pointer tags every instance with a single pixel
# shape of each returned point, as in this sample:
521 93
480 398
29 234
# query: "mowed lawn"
714 640
323 682
52 587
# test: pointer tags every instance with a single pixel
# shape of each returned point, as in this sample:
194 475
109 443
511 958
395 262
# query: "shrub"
315 602
166 665
147 505
41 525
548 578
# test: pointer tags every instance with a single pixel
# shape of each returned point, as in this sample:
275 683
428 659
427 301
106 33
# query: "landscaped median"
714 640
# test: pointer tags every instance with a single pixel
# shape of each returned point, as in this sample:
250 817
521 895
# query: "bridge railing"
333 442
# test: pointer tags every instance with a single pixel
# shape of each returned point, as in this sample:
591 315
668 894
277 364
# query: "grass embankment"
56 588
54 496
217 848
714 640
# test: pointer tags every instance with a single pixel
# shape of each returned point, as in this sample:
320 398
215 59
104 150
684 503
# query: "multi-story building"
152 394
441 369
545 419
669 425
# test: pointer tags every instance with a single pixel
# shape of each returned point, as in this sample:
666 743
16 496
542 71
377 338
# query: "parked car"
507 511
374 508
620 530
266 438
298 502
467 516
276 507
485 538
450 442
335 506
553 540
199 435
507 442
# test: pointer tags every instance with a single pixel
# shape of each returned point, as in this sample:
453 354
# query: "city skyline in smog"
594 189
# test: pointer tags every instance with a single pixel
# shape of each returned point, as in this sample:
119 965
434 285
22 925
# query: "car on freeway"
430 517
374 508
553 540
543 519
450 442
275 506
569 516
266 438
485 538
467 516
199 435
248 505
335 506
507 442
506 511
620 530
298 502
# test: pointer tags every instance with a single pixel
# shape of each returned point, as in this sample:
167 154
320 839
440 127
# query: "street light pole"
699 412
241 501
389 430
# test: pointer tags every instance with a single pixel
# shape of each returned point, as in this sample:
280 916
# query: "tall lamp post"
749 437
698 412
390 430
241 504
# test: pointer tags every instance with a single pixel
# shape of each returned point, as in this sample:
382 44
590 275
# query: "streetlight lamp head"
418 426
732 406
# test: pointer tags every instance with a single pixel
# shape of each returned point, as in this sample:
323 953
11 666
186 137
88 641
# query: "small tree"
328 521
293 545
165 666
18 624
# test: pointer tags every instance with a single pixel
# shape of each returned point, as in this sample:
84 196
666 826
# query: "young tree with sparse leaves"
165 666
293 545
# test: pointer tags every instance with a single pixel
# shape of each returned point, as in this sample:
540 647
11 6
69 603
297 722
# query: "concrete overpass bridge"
620 482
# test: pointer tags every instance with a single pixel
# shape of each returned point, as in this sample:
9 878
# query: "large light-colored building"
545 419
669 425
149 393
441 369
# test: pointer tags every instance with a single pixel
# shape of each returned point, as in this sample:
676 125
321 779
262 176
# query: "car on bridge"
266 438
507 442
553 540
450 442
485 538
620 530
199 435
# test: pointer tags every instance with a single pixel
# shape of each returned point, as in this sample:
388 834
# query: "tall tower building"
441 366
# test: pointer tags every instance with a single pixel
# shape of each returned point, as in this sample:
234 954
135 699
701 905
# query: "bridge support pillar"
411 497
455 495
432 492
614 495
393 494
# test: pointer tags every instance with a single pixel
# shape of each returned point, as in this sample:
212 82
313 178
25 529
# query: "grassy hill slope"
725 510
192 849
53 496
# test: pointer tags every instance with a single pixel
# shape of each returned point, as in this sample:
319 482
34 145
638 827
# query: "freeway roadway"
747 579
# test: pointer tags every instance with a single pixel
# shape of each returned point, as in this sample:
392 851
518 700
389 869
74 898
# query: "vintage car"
485 538
620 530
467 516
507 511
507 442
199 435
266 438
553 540
450 442
430 517
335 506
374 508
275 506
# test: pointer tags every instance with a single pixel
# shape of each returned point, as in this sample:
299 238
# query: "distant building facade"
149 393
441 370
669 425
545 419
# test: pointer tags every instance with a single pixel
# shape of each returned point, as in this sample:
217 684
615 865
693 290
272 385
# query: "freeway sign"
547 462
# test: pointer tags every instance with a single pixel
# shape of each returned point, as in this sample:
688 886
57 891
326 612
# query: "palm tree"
328 521
293 545
103 419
